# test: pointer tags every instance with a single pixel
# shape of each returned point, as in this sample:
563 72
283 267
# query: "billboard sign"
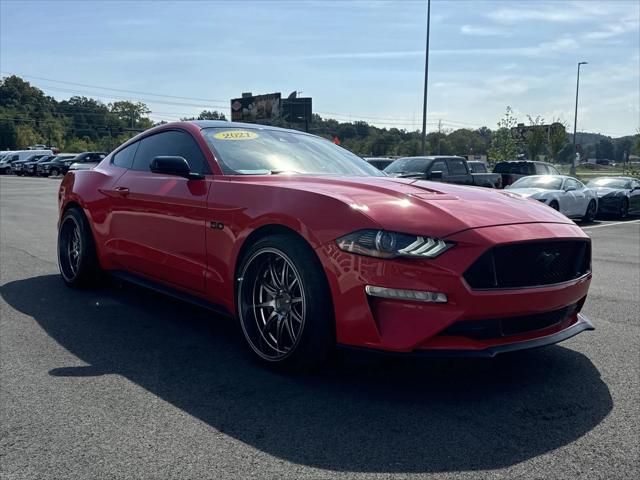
296 110
255 108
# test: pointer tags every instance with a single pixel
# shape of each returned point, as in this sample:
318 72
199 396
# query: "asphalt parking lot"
123 383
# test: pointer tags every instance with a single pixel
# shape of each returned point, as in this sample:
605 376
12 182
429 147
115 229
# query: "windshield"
518 168
609 183
408 164
248 151
546 182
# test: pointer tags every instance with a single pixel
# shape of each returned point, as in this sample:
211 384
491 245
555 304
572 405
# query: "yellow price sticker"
235 135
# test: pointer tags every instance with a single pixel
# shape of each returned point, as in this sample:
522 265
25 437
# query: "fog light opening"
415 295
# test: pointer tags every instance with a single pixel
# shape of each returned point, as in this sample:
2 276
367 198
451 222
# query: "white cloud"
563 12
614 29
482 31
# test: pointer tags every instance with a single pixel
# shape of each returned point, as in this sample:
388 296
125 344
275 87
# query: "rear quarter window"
124 158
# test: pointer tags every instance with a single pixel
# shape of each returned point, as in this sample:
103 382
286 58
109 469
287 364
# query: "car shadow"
364 414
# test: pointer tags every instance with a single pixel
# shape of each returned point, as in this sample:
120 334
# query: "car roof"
564 177
433 157
227 124
616 177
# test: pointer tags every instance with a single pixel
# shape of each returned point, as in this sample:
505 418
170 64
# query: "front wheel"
590 214
54 172
624 208
554 204
77 257
284 304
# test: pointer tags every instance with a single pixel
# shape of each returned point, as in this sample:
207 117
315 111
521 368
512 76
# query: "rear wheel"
284 304
8 171
590 214
624 208
54 172
77 257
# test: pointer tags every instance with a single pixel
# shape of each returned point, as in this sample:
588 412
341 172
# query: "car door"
158 224
634 197
576 196
458 171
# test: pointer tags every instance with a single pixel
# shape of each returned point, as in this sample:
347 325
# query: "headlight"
383 244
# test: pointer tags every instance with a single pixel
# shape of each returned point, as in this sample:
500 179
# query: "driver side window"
171 143
572 184
439 166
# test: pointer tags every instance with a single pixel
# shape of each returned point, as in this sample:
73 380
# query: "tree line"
28 116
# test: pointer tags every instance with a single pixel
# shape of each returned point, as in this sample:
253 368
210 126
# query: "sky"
358 60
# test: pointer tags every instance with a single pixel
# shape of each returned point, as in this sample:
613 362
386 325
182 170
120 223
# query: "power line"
110 88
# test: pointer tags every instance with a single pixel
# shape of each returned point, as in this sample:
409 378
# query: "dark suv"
513 170
29 166
60 165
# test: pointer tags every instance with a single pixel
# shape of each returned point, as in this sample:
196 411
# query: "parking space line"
612 224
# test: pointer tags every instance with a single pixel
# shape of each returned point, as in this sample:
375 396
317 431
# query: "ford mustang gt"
310 247
566 194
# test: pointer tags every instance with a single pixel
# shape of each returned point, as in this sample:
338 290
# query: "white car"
566 194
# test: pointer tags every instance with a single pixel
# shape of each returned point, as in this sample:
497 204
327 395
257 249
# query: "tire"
54 172
590 214
8 171
554 204
624 208
77 257
287 324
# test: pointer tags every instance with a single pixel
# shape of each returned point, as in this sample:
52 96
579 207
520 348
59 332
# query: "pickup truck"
516 169
444 169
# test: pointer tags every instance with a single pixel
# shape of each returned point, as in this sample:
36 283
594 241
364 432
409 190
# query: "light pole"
575 122
426 83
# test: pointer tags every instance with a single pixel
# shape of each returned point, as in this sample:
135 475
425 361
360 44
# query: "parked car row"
448 169
618 196
45 163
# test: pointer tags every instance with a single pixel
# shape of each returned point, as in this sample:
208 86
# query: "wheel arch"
264 231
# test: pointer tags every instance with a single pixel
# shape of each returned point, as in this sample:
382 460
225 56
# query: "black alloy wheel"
624 208
284 305
590 214
77 257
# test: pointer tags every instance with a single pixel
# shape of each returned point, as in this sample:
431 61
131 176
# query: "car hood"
532 192
602 191
423 207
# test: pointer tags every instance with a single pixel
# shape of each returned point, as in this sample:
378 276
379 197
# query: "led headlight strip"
384 244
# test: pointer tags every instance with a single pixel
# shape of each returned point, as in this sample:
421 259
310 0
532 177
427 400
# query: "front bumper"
610 205
408 326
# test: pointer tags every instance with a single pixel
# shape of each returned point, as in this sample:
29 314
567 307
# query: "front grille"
530 264
506 327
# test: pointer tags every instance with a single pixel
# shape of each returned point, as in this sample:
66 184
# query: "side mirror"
173 166
570 188
435 175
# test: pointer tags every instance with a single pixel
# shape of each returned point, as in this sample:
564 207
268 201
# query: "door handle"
124 191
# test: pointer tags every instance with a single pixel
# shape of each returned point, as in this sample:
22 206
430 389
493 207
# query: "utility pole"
439 134
575 122
426 83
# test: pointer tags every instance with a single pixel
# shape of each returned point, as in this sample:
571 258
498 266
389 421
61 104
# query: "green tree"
8 135
623 148
504 145
131 114
535 138
604 149
557 139
211 115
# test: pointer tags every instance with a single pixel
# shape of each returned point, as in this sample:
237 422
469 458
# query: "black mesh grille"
505 327
530 264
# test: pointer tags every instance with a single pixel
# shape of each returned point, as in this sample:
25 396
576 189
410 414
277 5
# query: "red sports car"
309 246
